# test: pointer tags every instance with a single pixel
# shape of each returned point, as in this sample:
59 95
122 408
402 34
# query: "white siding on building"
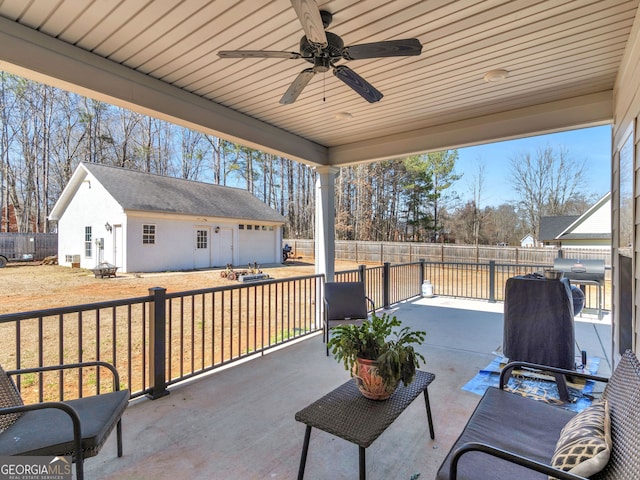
598 222
180 242
82 212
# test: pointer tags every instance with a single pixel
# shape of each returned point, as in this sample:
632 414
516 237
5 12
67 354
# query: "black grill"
581 271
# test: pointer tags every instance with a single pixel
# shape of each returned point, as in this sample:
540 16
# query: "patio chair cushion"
43 432
510 422
584 445
9 397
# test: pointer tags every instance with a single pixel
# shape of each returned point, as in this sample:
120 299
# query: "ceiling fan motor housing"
332 50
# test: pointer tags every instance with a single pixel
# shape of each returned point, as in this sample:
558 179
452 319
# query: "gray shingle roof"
551 227
135 190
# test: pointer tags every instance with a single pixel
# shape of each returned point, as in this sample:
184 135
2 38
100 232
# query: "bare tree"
503 225
476 188
546 183
193 150
441 167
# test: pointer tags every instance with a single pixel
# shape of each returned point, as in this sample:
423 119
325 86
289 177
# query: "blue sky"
593 145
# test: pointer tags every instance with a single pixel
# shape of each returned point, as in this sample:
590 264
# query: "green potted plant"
379 354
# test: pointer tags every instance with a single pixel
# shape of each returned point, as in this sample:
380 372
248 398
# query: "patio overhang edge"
577 112
42 58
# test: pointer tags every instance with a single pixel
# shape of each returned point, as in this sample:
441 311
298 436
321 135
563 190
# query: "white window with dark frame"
148 234
88 242
202 239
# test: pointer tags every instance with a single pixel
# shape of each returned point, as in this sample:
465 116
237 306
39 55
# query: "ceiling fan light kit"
324 49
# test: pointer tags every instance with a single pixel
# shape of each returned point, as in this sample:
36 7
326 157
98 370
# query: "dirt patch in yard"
31 286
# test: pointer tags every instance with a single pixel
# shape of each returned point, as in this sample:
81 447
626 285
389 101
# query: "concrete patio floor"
238 423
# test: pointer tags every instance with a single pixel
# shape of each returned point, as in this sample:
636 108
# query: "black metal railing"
160 339
114 331
486 281
164 338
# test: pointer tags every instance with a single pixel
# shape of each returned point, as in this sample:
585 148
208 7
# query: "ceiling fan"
324 49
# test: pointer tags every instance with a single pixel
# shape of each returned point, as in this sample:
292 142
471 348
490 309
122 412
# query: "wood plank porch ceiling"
559 54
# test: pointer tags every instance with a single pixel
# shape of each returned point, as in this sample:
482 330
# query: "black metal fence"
163 338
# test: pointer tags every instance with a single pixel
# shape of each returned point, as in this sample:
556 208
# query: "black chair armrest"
111 368
508 456
509 367
373 305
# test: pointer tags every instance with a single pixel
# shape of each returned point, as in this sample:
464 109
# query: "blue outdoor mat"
537 385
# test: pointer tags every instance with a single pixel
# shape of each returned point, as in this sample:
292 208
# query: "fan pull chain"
324 83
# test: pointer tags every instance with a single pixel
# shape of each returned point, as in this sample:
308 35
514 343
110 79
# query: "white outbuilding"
141 222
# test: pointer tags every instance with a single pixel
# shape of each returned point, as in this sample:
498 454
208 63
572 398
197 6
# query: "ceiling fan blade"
257 54
309 16
359 84
297 86
391 48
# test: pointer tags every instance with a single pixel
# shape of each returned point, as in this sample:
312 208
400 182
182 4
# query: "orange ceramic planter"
369 382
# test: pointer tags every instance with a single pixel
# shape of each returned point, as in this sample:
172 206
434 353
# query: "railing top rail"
474 264
344 272
406 264
523 265
51 312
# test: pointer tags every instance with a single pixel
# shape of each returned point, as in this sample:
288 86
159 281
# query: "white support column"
325 221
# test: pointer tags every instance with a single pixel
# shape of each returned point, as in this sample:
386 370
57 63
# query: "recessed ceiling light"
343 115
496 75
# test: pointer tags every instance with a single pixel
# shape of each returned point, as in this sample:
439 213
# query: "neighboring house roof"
147 192
594 224
552 227
527 240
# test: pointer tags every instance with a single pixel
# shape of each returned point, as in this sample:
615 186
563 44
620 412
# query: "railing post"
492 281
362 273
386 285
157 343
421 273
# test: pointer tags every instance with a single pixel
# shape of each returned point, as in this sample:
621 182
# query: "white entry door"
202 247
224 246
118 259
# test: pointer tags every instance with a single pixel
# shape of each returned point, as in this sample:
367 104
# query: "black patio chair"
344 303
76 428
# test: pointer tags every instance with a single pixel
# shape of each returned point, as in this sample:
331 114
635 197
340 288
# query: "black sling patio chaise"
510 436
76 428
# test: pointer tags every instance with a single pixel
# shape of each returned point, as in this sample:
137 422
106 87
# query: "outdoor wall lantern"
217 229
108 227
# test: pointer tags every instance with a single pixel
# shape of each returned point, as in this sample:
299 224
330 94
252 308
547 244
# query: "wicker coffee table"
347 414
